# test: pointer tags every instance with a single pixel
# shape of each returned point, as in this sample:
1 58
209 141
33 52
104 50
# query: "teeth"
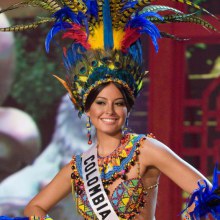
108 119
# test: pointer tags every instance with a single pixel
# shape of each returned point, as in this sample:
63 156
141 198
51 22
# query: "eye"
120 103
100 103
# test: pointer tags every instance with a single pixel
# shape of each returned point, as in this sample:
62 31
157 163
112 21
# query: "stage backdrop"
40 130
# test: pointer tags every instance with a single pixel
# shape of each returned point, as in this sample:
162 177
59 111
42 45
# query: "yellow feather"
83 78
67 88
118 37
96 40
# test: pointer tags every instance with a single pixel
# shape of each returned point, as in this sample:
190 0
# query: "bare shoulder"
65 172
152 150
68 168
157 155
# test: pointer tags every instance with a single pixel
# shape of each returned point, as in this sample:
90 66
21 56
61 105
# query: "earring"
125 129
126 123
88 126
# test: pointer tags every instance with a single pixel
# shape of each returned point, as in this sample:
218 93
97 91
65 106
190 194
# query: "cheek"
123 112
94 112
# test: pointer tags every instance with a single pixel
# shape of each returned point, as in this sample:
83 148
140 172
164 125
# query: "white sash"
94 188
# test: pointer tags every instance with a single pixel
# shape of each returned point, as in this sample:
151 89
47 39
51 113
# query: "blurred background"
40 130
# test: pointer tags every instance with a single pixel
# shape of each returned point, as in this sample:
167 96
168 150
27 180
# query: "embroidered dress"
129 196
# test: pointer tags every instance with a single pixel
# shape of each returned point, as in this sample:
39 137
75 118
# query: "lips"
109 120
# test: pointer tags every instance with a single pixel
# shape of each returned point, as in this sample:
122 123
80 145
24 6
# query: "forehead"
110 92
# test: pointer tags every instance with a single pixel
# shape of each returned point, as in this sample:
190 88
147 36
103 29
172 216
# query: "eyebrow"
106 98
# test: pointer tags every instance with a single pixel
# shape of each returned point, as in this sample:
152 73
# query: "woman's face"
108 112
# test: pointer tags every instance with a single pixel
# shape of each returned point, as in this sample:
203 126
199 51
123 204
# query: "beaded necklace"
107 163
118 163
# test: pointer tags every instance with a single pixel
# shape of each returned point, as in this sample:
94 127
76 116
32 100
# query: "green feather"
171 36
24 27
159 8
187 18
76 5
49 5
122 18
187 2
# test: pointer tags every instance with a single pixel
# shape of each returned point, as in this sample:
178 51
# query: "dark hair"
129 102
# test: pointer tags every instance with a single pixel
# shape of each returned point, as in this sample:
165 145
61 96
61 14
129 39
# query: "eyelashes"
100 103
120 103
104 103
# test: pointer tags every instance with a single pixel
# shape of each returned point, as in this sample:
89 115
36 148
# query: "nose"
110 109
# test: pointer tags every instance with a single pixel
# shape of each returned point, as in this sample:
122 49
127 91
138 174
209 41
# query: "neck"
107 143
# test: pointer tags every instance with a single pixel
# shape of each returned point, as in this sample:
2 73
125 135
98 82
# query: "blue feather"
140 20
215 177
83 20
66 13
66 64
80 18
77 50
129 5
136 52
74 54
206 200
92 8
61 23
16 218
57 27
107 23
146 26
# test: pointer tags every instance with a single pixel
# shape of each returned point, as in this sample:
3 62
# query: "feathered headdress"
104 39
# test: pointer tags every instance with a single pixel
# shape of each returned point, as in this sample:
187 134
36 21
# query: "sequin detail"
128 197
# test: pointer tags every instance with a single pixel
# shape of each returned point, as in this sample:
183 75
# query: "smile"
109 119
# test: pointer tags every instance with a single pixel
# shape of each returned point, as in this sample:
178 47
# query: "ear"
87 113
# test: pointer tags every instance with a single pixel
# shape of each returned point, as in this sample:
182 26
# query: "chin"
111 132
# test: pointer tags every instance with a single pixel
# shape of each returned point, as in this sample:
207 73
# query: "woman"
118 177
108 113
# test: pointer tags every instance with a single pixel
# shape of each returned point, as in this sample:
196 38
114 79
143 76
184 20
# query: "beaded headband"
104 39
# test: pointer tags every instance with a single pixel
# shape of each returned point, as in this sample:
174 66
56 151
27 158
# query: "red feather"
131 36
65 51
78 35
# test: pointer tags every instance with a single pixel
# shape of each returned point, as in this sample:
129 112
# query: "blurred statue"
68 139
19 136
7 61
19 141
